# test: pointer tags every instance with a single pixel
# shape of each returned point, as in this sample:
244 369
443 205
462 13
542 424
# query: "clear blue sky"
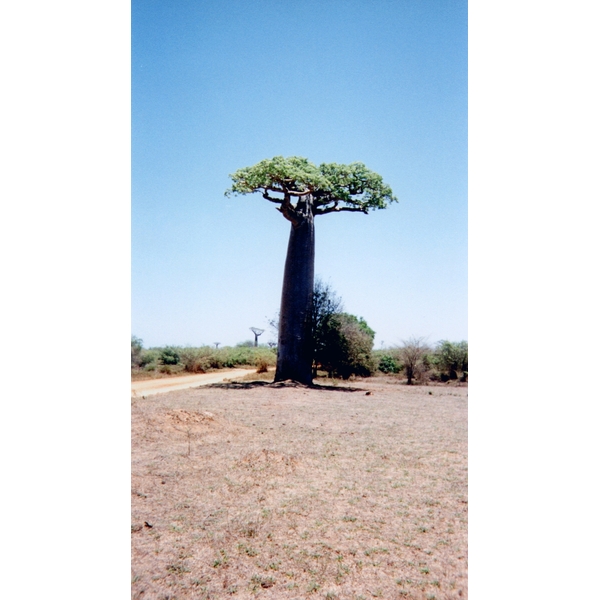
218 85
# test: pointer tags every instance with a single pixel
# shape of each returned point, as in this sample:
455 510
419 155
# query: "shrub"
195 360
345 346
149 357
169 356
136 351
413 354
388 364
451 357
262 364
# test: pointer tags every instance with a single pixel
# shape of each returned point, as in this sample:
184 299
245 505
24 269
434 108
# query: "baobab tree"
301 190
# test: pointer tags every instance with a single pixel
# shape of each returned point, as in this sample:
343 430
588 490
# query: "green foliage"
342 343
172 359
346 346
452 357
169 356
333 187
196 360
325 304
388 364
149 358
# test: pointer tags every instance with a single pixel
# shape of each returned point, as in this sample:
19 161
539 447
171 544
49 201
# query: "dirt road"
148 387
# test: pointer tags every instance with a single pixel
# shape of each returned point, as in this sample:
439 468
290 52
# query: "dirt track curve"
148 387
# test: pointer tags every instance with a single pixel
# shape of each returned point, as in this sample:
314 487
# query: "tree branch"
288 211
336 208
292 193
270 199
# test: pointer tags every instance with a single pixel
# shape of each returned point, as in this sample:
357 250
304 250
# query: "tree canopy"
331 186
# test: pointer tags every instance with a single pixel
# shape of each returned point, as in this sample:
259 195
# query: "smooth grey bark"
294 352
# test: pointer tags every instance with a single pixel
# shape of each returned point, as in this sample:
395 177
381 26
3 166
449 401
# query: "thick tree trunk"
294 352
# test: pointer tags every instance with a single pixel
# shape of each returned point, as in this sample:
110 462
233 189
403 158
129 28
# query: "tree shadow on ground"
248 385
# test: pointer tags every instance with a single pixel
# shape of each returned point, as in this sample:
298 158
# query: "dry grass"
253 490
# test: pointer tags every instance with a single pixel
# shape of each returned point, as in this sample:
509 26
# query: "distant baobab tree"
256 331
216 344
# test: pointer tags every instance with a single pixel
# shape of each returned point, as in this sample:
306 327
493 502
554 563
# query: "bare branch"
284 190
292 193
270 199
336 208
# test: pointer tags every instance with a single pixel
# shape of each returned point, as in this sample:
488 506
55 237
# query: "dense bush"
345 346
149 359
172 359
388 364
450 358
418 362
342 343
169 356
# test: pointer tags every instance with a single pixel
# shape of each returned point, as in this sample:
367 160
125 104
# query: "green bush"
169 356
388 364
205 358
148 358
345 346
195 360
450 358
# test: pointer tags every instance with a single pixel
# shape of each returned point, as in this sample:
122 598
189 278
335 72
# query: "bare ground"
253 490
159 385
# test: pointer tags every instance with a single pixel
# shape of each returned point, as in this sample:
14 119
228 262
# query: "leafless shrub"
412 354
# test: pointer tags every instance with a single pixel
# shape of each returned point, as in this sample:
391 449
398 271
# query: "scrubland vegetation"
171 360
347 354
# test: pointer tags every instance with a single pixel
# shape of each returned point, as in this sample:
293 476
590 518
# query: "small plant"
313 586
177 569
222 560
371 551
263 582
247 550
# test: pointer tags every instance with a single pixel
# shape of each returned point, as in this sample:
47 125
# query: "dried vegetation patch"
263 491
